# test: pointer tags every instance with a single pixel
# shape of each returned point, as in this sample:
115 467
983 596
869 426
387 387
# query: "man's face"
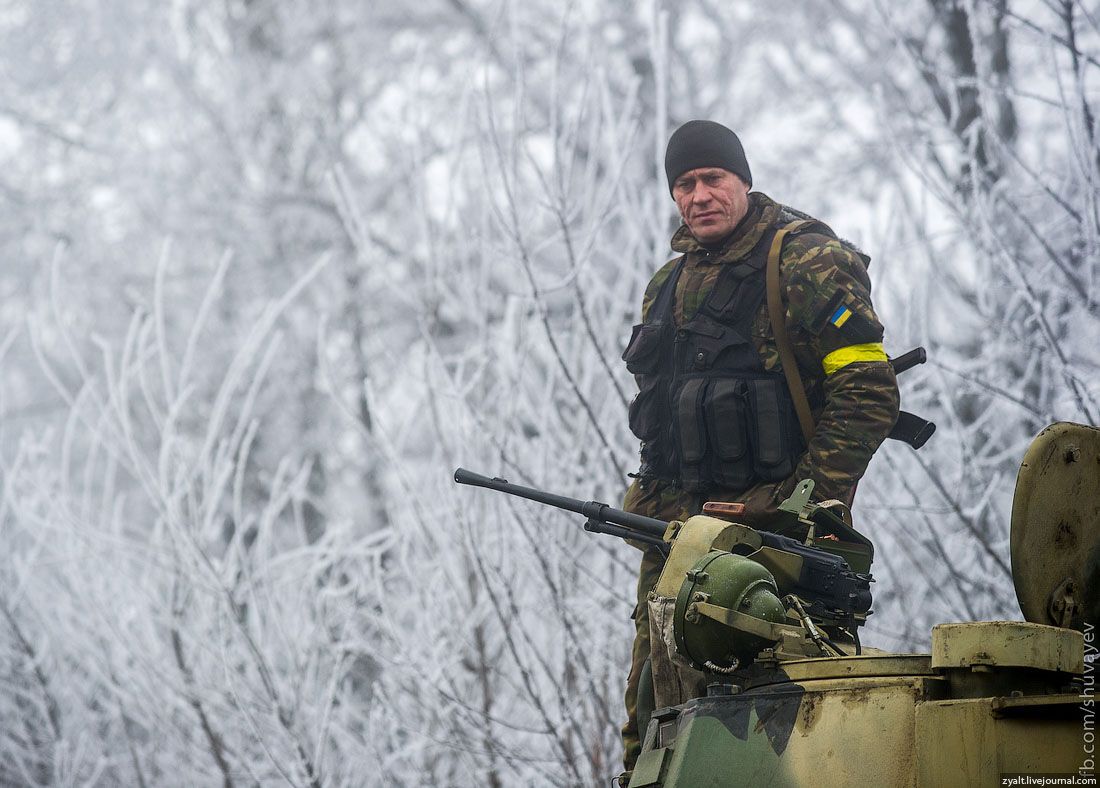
711 201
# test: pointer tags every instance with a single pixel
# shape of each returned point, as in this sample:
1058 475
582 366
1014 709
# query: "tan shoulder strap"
777 315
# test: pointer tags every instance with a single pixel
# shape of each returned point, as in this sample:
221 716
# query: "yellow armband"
841 358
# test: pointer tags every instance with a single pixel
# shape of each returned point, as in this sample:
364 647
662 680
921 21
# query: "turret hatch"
1055 540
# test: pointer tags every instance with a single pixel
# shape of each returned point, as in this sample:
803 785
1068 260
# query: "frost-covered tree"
982 119
277 268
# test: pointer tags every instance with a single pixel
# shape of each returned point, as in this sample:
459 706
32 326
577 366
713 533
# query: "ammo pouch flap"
733 431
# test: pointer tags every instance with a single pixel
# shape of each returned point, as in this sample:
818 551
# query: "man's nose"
701 194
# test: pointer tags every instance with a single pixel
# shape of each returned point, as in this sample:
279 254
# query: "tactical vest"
707 413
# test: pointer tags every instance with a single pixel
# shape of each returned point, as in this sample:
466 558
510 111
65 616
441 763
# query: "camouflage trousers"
665 501
648 572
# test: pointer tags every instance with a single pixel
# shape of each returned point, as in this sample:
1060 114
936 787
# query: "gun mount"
736 590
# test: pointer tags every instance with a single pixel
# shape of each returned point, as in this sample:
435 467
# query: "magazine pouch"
727 422
692 434
774 432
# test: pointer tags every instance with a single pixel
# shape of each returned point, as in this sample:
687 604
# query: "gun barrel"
649 527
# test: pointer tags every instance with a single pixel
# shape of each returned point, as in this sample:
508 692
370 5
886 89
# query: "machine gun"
737 589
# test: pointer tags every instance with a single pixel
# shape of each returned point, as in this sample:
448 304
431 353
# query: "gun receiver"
602 519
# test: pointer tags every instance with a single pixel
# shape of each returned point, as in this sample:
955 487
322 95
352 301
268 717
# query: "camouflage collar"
763 213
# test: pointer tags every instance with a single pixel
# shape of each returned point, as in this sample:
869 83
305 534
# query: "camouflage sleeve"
654 286
829 303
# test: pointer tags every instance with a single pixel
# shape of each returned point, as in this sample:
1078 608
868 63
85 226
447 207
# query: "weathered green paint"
708 753
886 721
650 769
973 741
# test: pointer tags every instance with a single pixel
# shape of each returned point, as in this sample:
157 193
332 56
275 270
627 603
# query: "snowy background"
271 269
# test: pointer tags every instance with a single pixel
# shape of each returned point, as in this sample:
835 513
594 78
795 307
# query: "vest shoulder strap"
777 315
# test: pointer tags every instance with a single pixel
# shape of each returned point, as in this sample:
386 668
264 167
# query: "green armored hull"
992 702
995 698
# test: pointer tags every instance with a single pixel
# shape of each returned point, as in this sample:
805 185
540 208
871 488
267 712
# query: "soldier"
716 412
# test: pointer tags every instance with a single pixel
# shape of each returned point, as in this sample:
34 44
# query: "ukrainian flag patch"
840 316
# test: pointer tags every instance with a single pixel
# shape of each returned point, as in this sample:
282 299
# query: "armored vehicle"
759 679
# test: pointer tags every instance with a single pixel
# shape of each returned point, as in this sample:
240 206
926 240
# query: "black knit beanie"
704 143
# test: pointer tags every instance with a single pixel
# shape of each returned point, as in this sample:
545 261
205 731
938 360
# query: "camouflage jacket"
837 342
